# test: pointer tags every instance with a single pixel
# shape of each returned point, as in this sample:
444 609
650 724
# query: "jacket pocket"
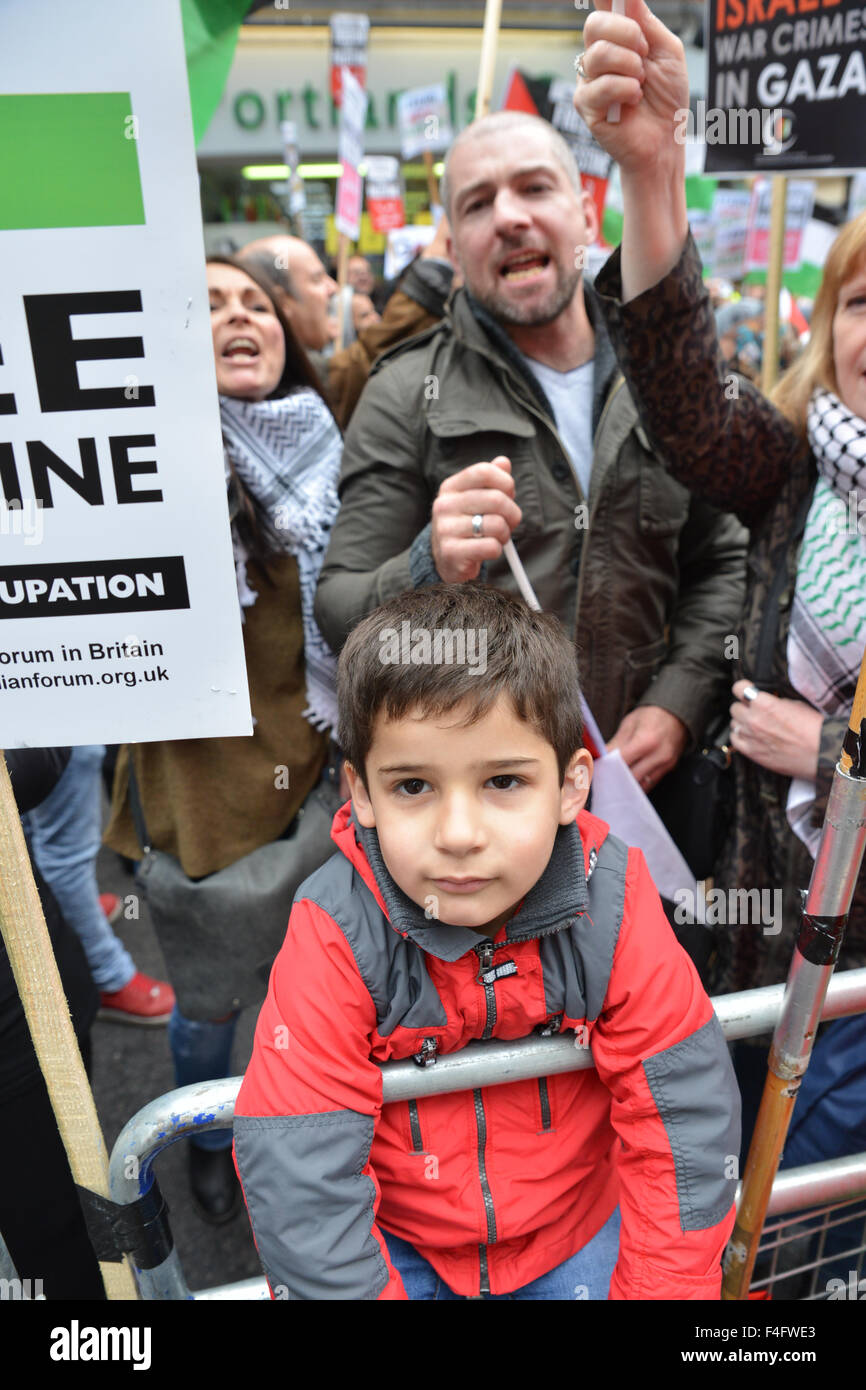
416 1141
648 658
664 503
642 663
458 444
545 1106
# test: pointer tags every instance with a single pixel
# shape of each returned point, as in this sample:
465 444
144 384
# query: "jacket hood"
555 902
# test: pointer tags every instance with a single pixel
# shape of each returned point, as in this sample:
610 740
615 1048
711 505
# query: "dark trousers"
40 1216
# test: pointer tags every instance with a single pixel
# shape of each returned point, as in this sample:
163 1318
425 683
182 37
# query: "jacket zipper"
487 977
481 1126
485 963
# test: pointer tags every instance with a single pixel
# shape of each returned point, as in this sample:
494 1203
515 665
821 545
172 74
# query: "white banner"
731 221
349 33
350 153
424 118
799 201
119 617
403 244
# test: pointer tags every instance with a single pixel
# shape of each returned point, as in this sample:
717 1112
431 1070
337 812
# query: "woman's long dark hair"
251 521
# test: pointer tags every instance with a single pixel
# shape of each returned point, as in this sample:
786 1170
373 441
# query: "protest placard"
119 616
424 118
350 153
348 34
297 198
403 244
731 221
786 86
799 200
384 192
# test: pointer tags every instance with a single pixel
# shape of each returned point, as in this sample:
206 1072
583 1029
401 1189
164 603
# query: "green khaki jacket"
650 581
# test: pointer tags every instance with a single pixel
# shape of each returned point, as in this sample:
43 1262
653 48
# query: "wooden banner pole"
770 368
489 40
28 945
432 181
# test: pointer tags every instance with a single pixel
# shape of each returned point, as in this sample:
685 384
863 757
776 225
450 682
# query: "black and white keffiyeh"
828 618
287 452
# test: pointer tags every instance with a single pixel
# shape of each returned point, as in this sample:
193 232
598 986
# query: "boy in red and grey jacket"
472 897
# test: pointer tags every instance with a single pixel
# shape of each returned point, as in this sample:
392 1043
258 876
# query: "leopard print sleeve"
716 433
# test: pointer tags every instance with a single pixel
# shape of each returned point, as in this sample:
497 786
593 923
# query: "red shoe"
143 1000
111 905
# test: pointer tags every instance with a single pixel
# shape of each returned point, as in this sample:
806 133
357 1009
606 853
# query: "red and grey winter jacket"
499 1185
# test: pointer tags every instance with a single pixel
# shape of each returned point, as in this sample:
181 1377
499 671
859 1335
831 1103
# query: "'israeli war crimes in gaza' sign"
118 603
786 87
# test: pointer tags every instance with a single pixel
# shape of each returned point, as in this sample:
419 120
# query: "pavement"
132 1066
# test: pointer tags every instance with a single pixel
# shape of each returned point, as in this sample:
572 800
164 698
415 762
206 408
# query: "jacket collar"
557 900
476 328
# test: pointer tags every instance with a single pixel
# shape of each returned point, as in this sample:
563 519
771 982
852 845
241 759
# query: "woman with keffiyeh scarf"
209 802
793 469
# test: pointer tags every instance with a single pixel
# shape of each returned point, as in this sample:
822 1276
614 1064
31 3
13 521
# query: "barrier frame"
210 1105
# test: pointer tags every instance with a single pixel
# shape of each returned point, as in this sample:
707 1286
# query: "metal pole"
825 914
207 1105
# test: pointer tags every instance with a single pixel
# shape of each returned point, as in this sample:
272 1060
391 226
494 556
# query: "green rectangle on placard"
69 159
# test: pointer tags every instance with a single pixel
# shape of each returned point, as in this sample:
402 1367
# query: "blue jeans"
202 1052
65 831
586 1275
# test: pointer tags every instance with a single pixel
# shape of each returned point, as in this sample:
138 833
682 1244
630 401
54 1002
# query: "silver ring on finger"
477 524
582 74
751 693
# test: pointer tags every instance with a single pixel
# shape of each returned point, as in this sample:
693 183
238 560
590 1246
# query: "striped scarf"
287 454
828 618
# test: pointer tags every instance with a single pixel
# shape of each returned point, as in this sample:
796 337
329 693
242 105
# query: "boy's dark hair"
529 658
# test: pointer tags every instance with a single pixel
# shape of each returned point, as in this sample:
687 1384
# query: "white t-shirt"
570 395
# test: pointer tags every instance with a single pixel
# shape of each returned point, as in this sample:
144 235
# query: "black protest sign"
786 86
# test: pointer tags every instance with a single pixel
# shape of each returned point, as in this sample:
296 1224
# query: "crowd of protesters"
382 445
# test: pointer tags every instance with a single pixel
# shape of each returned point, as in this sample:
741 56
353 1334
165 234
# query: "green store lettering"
307 104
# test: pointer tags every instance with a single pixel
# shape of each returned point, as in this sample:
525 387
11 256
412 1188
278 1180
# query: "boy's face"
466 817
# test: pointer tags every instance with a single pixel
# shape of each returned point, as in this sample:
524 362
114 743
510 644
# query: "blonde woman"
792 468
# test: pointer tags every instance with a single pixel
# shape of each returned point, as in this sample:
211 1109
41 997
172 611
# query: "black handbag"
696 799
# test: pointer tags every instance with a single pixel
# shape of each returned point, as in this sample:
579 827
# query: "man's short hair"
528 657
273 270
503 122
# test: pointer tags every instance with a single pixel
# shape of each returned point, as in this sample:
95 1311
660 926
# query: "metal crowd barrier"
210 1105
